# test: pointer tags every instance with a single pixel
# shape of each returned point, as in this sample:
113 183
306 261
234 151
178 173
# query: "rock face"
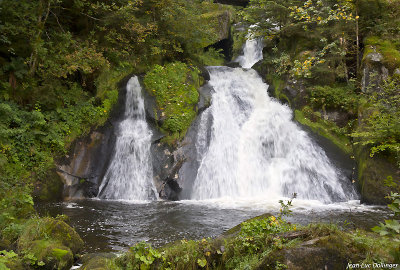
374 72
371 175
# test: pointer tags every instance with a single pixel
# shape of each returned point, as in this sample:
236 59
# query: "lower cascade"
129 175
254 149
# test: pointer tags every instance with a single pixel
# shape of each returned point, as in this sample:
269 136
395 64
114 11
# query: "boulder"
371 175
51 241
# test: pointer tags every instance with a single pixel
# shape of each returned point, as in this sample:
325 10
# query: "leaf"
202 262
381 230
393 224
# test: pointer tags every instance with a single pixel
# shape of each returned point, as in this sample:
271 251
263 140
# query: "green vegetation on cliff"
175 88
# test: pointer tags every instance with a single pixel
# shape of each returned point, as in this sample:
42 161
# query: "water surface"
116 225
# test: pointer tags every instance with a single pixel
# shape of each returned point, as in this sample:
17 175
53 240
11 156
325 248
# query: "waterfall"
252 52
253 148
129 175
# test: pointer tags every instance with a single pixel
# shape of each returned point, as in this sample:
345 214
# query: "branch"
62 29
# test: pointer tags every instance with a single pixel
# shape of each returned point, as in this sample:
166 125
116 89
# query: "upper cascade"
252 52
254 149
130 175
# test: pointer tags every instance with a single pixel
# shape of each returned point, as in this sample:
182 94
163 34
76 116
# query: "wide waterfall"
129 176
253 148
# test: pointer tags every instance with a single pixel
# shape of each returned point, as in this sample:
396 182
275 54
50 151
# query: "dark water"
114 226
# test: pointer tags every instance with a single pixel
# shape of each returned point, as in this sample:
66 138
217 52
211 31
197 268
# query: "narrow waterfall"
253 148
252 52
129 175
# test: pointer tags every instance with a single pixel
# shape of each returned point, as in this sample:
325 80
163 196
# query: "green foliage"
175 88
211 57
140 257
391 226
304 37
339 97
285 207
5 257
381 130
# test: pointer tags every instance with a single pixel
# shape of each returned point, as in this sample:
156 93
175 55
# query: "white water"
252 52
129 176
255 150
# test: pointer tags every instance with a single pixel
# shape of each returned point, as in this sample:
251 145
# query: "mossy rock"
52 254
98 261
324 246
50 228
325 128
371 175
51 241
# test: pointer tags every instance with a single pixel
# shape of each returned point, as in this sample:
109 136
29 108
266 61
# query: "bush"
334 97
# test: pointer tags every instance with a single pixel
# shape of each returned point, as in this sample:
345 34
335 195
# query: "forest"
336 63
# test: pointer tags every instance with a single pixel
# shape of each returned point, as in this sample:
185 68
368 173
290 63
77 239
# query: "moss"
324 128
50 189
277 85
53 229
371 175
388 49
339 97
175 89
310 247
99 261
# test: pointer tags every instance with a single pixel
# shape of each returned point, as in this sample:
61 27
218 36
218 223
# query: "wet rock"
204 73
205 93
170 188
84 167
295 92
340 118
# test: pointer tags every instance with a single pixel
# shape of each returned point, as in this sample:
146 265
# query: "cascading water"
129 176
252 52
254 149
